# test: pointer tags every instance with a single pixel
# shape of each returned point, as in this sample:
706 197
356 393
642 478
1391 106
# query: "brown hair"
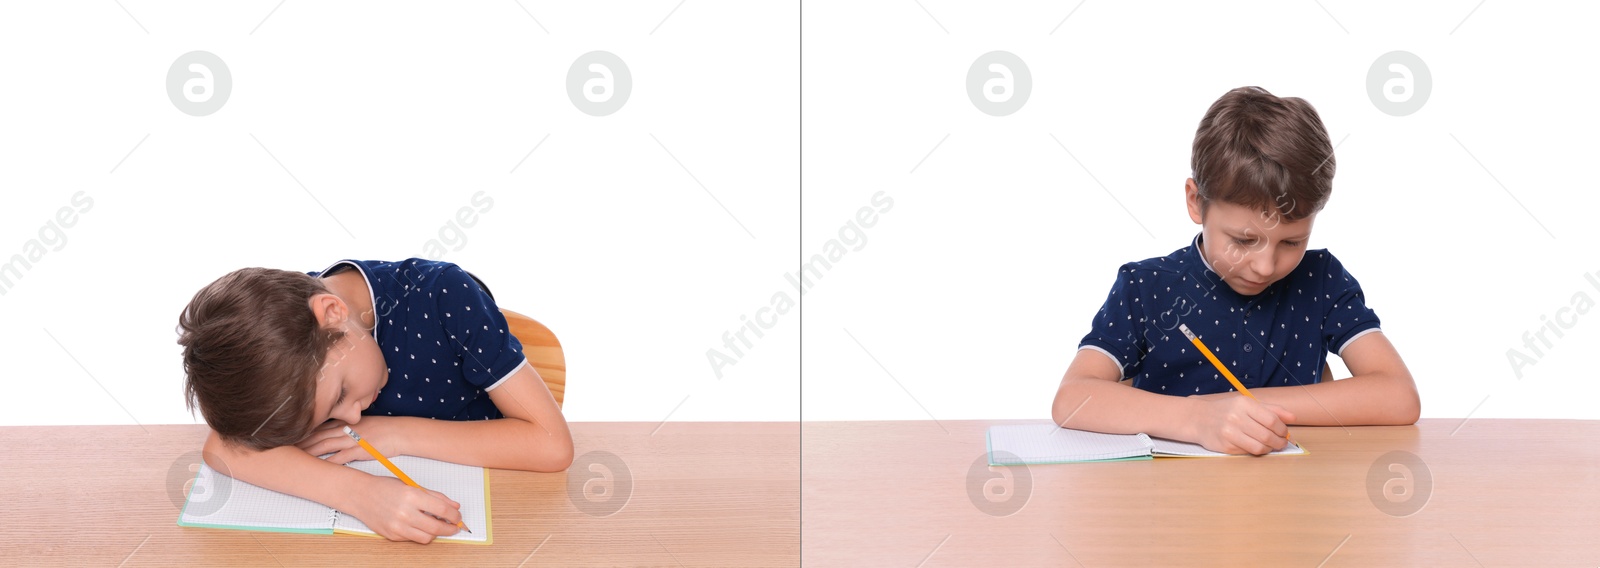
1261 151
252 352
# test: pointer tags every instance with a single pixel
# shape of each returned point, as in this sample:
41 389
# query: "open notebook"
1047 443
220 502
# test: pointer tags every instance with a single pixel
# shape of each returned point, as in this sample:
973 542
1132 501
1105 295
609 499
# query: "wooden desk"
703 494
1505 492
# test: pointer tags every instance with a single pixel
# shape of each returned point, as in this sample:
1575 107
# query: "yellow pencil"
1218 364
396 469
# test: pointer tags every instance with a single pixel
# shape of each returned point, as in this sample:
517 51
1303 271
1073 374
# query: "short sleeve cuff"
502 379
1120 367
1360 331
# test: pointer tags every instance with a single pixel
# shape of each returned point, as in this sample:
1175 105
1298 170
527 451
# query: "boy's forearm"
286 469
1105 406
1368 400
506 443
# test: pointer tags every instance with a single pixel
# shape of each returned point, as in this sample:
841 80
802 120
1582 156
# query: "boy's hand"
330 438
1240 425
397 511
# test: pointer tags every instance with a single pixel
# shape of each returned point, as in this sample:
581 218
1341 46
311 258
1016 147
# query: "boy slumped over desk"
1268 308
415 354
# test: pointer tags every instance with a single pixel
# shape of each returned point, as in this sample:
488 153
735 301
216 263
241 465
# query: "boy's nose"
349 415
1262 264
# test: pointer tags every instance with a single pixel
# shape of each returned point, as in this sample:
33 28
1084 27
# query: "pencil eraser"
1185 329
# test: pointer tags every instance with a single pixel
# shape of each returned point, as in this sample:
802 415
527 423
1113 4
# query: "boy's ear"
329 309
1191 195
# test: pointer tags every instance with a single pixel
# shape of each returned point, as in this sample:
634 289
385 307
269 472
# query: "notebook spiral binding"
333 517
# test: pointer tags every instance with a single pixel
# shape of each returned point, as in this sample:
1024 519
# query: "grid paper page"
1048 443
218 501
1164 447
465 484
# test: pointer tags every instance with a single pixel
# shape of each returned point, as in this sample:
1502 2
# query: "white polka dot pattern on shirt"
1135 323
451 339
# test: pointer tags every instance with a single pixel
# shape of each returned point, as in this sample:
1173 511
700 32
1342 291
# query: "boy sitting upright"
1267 307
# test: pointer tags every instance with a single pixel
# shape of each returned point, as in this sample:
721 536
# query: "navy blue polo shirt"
1278 337
444 340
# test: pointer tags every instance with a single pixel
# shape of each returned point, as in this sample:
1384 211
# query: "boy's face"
1250 249
354 369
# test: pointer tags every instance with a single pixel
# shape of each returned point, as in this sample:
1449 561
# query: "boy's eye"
1252 242
341 396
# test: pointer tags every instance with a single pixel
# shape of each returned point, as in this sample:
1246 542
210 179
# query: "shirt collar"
1195 251
1194 244
1210 273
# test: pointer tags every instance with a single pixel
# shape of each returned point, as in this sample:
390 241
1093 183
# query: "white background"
393 117
970 296
1467 222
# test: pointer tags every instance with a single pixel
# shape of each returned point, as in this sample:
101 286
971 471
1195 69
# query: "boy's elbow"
1060 410
209 452
1412 410
1056 415
555 455
1410 407
216 452
562 457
